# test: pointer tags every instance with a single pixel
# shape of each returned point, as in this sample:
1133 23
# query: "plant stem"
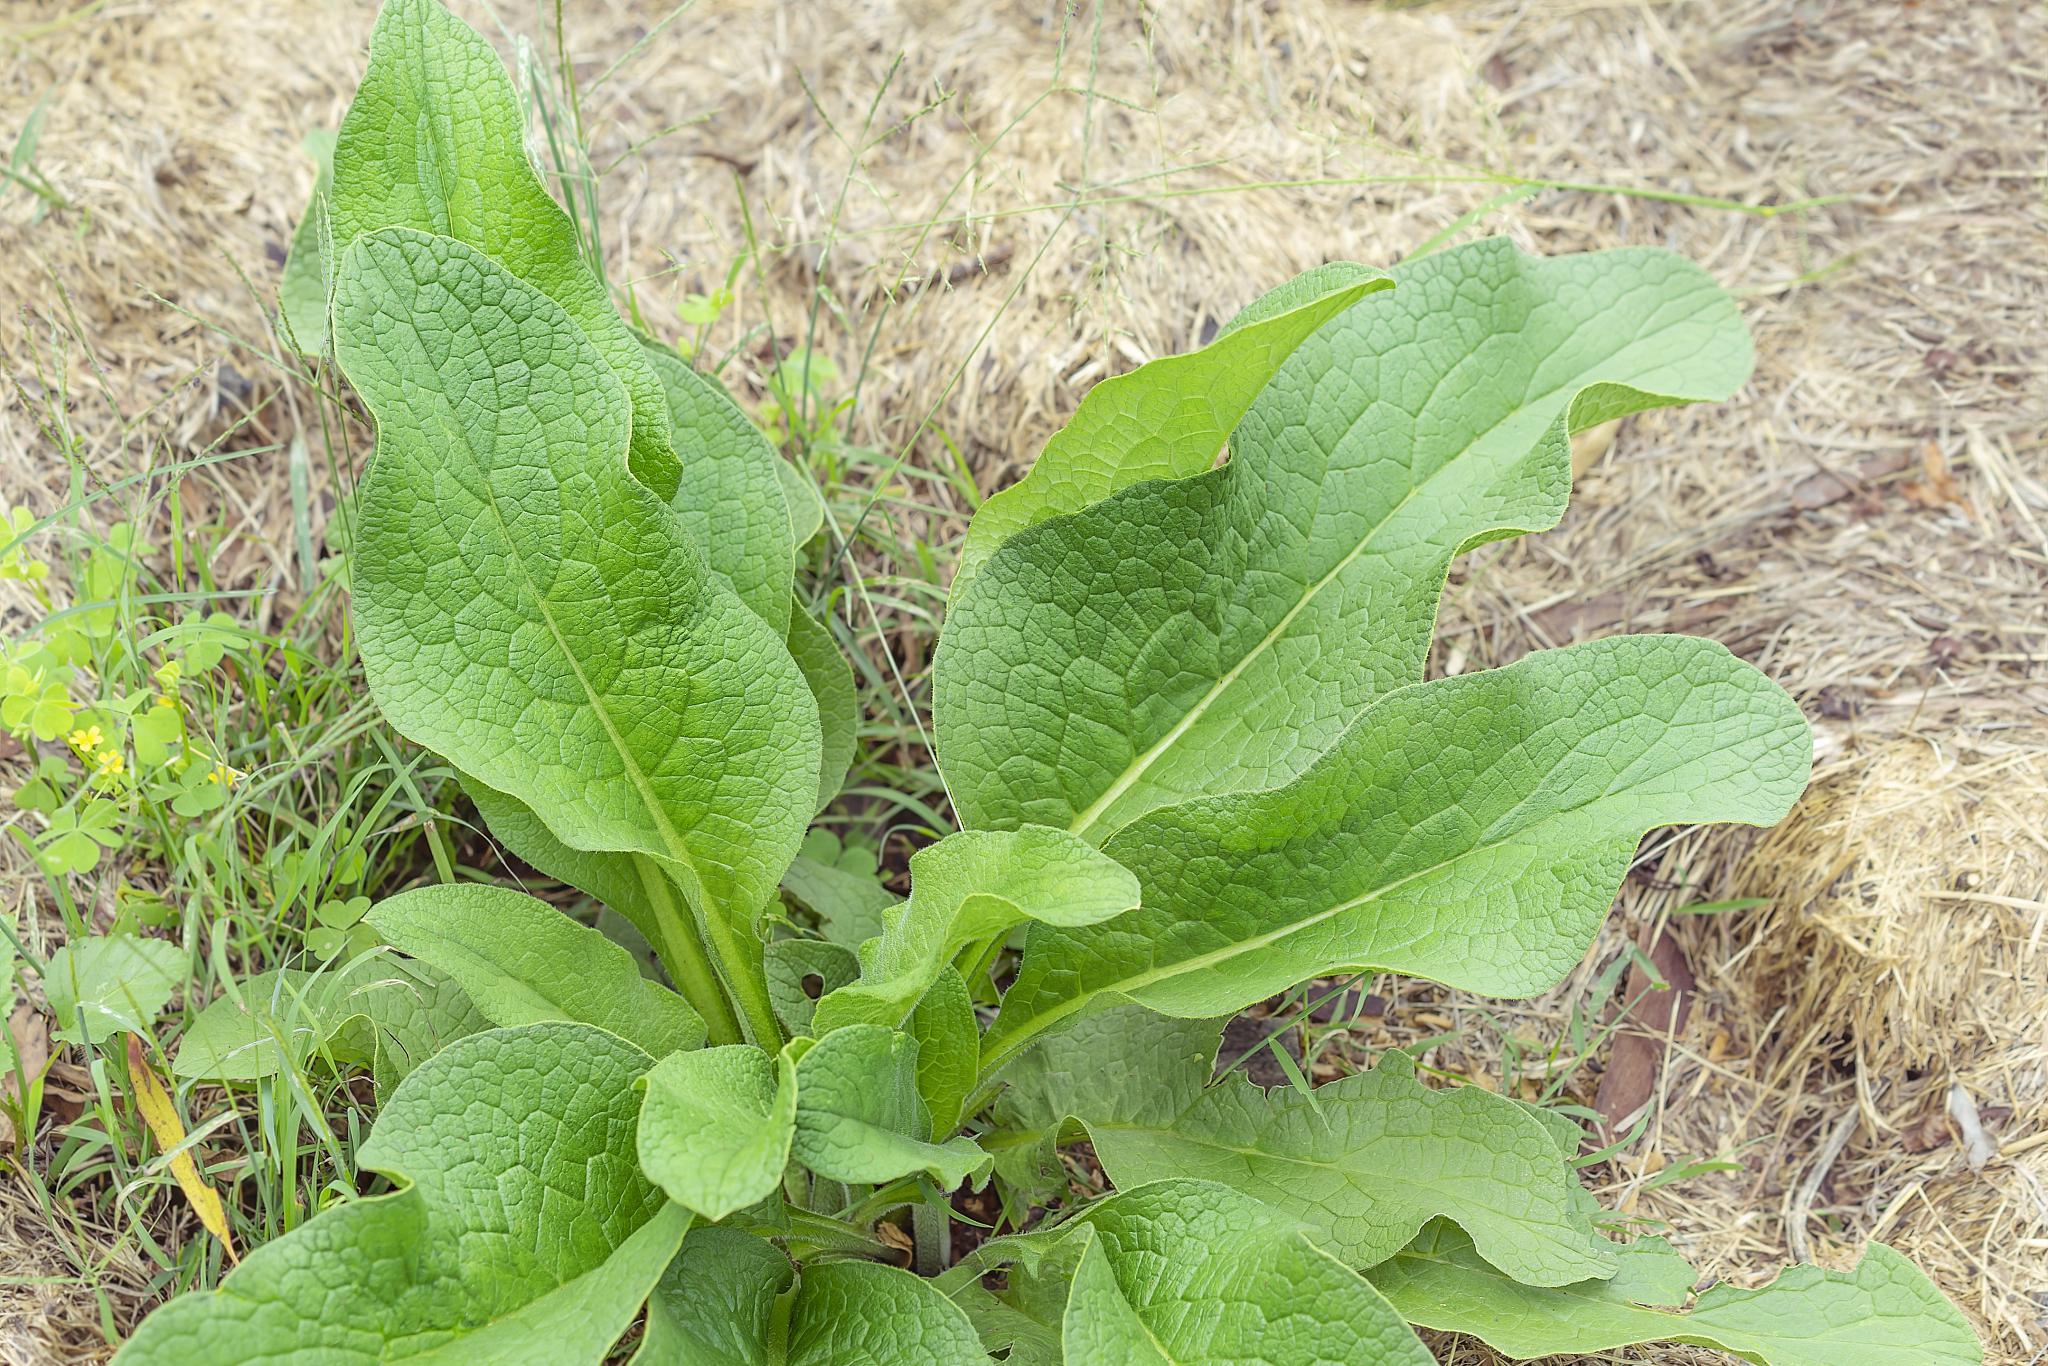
740 967
727 964
931 1231
682 953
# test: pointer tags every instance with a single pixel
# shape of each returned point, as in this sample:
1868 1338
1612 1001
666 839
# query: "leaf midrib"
1139 766
1040 1022
671 838
1449 1199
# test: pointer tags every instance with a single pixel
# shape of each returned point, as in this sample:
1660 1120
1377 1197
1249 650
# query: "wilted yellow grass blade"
154 1101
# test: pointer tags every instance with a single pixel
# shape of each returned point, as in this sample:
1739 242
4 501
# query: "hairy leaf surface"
1219 633
526 1234
1190 1272
610 876
967 889
855 1313
831 678
859 1116
378 1012
729 496
948 1048
715 1307
520 960
107 984
1885 1310
1167 419
537 616
806 504
716 1127
436 140
1472 830
1364 1161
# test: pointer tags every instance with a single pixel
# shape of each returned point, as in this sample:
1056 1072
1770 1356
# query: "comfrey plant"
1180 710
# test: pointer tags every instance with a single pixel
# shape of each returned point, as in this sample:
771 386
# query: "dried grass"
1866 521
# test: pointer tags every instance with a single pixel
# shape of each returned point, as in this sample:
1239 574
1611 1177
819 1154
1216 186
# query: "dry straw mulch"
1868 521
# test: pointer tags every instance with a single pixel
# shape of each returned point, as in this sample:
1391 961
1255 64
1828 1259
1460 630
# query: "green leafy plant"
1181 711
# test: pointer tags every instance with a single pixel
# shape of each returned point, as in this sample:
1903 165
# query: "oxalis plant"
1180 709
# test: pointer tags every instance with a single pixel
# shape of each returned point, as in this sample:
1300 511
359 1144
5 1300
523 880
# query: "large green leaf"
1883 1311
538 617
107 984
970 888
526 1232
859 1116
376 1011
860 1313
806 504
1192 1273
436 140
521 960
831 679
716 1307
948 1038
1218 633
613 878
716 1127
1167 419
1472 830
1365 1161
729 497
1100 1325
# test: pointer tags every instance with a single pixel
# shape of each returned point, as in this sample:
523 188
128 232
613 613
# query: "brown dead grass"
1866 521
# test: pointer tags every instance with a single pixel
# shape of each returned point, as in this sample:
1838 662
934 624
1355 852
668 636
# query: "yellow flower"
225 775
86 739
111 762
166 700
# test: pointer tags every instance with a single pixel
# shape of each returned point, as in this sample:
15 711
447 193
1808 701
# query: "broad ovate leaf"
520 960
102 985
1192 1273
1365 1161
970 888
1472 830
1219 632
716 1307
1168 419
1885 1310
729 496
436 140
377 1011
531 612
857 1313
716 1126
524 1231
948 1048
860 1117
1099 1324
